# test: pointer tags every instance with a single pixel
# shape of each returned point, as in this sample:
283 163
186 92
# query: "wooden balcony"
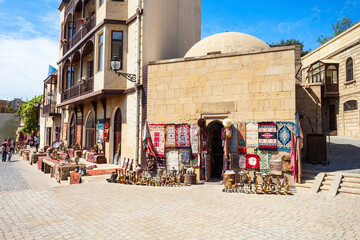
78 90
50 110
330 90
85 29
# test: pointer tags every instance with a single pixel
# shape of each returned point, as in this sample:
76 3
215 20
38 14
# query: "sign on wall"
106 129
99 130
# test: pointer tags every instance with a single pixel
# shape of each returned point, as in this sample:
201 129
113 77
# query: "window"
331 75
350 105
349 69
71 29
117 45
101 51
316 73
90 131
69 76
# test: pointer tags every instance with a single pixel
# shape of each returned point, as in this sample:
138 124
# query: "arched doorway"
216 148
90 131
72 131
117 130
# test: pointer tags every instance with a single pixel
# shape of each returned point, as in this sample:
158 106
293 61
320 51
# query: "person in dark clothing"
3 150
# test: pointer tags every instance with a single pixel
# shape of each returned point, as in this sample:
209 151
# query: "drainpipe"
136 148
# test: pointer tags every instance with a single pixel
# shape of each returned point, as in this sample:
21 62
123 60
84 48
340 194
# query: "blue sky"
29 31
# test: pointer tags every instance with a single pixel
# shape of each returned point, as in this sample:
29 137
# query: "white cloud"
24 65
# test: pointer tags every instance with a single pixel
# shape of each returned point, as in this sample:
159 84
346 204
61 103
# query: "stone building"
329 91
95 101
16 102
227 75
4 105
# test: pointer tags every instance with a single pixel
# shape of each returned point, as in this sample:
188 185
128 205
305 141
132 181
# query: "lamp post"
116 64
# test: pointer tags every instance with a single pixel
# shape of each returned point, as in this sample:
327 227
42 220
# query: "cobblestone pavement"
344 156
101 210
10 178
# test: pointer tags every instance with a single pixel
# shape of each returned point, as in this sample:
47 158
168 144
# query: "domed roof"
227 42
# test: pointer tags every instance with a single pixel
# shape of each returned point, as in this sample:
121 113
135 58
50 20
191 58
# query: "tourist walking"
12 147
3 150
37 142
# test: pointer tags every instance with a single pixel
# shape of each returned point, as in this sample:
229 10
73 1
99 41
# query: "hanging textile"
252 134
170 136
172 160
157 132
267 136
185 156
275 164
242 161
284 135
264 157
207 159
234 138
298 130
182 137
194 138
293 157
252 161
242 137
235 160
146 140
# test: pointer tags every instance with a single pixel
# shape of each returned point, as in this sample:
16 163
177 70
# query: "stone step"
350 185
325 188
327 178
327 183
303 185
351 180
349 190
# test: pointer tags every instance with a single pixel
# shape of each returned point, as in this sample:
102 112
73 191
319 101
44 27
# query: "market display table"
96 158
35 156
59 169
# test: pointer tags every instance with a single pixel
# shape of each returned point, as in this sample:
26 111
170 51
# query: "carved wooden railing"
85 29
78 90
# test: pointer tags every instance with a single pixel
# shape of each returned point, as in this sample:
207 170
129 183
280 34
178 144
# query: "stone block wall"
244 87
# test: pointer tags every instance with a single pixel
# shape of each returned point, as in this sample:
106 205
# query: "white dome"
227 42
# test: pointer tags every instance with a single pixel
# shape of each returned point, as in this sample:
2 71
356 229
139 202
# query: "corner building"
96 104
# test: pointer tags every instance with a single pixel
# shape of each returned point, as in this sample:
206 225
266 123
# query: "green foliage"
293 41
30 114
11 109
339 27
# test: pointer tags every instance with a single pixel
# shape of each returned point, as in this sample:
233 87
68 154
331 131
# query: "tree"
30 114
293 41
339 27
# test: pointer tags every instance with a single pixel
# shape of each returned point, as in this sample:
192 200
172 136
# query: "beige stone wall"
249 87
339 50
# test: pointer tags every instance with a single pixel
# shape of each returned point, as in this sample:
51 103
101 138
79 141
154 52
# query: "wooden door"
117 130
332 117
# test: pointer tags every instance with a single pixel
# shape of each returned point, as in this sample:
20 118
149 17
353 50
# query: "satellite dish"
55 144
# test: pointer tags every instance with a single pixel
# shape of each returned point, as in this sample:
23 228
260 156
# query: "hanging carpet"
182 136
252 161
170 136
185 156
242 137
157 132
194 139
267 136
275 164
234 139
284 135
252 134
263 160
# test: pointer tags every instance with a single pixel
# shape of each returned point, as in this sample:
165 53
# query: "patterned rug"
252 161
284 135
182 136
242 161
267 136
194 139
172 160
185 156
97 172
263 160
170 136
75 178
242 137
234 139
276 164
252 134
157 132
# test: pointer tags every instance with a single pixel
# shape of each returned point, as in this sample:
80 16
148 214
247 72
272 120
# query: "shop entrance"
332 117
216 149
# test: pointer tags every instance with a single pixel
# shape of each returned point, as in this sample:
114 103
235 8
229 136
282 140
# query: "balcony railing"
79 89
50 108
85 29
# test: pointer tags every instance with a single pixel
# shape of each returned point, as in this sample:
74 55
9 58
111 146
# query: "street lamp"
116 66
